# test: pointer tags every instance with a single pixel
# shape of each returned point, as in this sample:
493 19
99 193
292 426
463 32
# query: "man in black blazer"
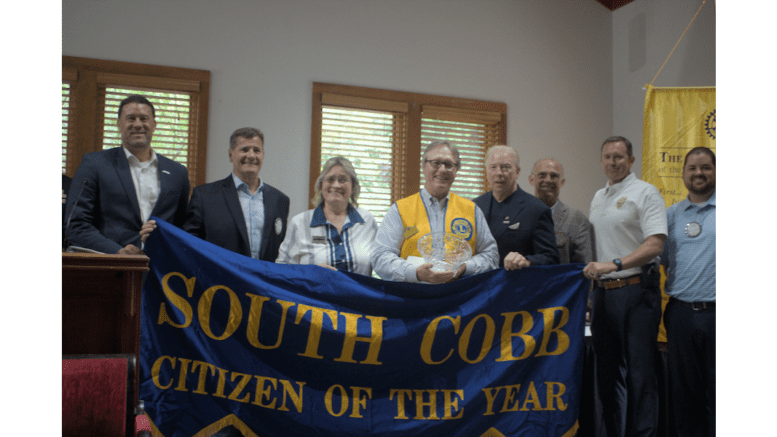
521 224
241 212
115 191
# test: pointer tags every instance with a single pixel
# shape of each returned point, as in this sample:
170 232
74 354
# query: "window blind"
370 140
180 97
384 134
65 122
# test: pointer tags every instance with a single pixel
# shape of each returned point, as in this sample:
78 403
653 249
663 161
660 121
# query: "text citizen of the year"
434 404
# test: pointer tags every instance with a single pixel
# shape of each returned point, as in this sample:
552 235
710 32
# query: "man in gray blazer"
241 212
116 191
574 234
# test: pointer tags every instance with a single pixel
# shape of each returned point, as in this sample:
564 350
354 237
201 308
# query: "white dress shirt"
145 177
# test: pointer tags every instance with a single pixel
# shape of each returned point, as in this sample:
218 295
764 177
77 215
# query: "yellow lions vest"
459 220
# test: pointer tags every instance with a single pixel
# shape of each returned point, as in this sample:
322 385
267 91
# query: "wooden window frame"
408 161
86 75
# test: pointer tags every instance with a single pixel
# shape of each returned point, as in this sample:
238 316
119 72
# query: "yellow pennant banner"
676 121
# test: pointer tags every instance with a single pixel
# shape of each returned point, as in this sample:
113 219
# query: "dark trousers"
624 327
690 335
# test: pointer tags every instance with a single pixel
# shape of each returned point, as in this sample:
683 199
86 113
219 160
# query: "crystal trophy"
447 252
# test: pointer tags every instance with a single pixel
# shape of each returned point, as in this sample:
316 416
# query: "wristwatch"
618 264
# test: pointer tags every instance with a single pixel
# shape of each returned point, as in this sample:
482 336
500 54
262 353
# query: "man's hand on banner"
146 230
425 273
594 269
515 260
327 266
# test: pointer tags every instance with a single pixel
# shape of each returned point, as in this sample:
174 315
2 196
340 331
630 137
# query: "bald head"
547 177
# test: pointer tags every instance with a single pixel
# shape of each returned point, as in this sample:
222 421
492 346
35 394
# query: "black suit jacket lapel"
121 165
233 206
514 208
487 205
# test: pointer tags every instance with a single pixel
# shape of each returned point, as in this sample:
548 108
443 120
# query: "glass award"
447 252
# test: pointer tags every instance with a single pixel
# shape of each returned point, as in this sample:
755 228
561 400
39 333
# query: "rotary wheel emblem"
709 124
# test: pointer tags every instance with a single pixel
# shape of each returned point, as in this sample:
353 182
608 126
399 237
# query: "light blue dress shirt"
253 212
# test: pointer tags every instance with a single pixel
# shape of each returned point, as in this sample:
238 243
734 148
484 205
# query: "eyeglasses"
436 164
342 179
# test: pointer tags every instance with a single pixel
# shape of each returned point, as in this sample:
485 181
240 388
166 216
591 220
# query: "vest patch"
461 227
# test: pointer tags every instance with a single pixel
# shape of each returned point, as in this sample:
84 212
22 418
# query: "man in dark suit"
521 224
115 191
241 213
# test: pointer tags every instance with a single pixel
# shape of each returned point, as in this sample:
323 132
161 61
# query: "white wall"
645 32
555 64
549 61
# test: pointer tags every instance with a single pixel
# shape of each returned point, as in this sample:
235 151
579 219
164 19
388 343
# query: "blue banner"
299 350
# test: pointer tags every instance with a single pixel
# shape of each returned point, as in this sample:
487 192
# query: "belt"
618 283
696 306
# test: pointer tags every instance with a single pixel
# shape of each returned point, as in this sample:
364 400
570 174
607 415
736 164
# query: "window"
65 120
92 90
384 134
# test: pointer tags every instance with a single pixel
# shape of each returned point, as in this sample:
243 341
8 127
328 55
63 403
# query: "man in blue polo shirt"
689 256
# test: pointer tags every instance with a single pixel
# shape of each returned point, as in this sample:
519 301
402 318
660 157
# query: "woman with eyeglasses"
336 234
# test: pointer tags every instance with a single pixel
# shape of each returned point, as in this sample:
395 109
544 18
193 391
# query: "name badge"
319 240
693 229
278 226
410 231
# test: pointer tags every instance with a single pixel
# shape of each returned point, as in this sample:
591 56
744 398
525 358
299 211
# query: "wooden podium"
101 305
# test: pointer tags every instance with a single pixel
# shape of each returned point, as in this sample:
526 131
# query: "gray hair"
447 144
548 159
503 148
247 133
348 167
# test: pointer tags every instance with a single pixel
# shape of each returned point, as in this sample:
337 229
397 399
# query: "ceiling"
614 4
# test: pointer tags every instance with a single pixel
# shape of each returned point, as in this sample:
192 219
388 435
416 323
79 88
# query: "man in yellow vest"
433 209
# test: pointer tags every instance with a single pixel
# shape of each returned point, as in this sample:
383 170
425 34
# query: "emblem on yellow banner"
710 124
